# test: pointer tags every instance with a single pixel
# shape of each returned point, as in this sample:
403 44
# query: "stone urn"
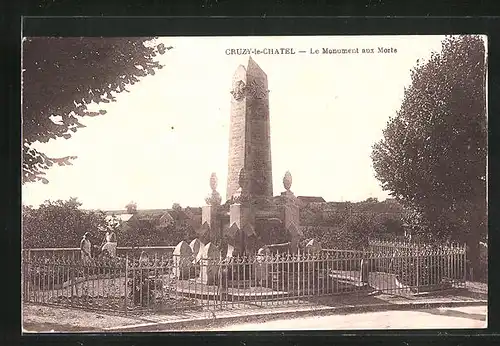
287 181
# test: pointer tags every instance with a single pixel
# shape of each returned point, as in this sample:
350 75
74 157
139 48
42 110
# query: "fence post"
72 267
23 274
418 267
464 265
126 283
27 282
220 280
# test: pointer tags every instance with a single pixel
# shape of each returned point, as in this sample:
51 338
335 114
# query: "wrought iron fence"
391 246
74 253
164 283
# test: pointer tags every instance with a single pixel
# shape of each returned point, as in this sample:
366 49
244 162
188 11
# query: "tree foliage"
63 76
60 224
146 231
131 207
351 225
433 153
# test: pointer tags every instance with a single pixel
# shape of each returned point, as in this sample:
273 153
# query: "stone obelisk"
250 133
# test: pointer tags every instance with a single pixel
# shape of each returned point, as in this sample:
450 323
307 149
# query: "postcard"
254 183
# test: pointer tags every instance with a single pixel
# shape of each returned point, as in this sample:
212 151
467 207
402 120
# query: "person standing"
110 243
85 248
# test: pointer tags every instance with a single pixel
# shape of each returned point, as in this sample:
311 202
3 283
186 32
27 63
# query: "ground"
308 314
438 318
46 319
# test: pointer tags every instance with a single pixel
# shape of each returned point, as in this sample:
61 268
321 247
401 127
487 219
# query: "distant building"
159 218
305 201
316 211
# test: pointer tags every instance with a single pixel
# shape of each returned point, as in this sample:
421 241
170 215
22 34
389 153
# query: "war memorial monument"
252 221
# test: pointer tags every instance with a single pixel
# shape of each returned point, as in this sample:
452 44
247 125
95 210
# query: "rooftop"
311 199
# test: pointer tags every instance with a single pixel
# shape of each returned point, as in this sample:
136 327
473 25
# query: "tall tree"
176 207
131 207
433 153
63 76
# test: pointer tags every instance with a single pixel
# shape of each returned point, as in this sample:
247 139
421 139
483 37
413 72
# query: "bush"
59 224
146 232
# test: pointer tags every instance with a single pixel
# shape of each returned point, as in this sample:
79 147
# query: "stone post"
291 213
210 259
182 258
196 246
241 215
209 216
209 212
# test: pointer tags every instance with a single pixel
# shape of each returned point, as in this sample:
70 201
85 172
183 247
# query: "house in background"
306 201
159 218
118 220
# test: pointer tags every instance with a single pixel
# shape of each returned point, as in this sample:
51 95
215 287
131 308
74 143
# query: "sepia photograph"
254 183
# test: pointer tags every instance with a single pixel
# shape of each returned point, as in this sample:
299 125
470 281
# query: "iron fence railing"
161 282
74 253
390 246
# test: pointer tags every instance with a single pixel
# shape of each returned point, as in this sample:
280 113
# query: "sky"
159 143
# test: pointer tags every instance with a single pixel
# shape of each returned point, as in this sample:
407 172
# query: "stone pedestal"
209 215
210 265
209 218
291 219
182 258
290 209
241 215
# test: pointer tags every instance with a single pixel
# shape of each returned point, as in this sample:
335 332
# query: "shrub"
59 224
